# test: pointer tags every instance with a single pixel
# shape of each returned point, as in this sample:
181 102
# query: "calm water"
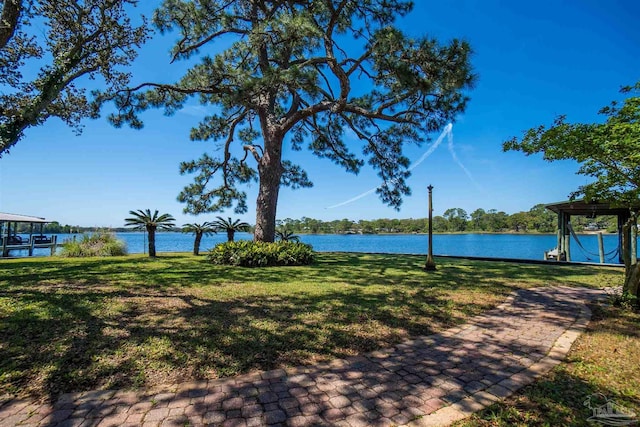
484 245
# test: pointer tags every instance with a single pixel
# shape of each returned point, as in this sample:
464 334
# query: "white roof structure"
7 217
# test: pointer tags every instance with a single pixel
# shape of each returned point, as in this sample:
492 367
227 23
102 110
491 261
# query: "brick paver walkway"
432 380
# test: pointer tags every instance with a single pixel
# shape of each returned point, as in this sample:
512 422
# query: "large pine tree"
305 73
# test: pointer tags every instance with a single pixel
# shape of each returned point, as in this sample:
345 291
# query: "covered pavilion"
565 210
11 240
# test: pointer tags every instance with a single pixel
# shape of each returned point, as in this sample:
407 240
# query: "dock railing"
10 243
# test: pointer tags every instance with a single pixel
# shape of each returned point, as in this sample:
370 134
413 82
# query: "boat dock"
35 242
10 240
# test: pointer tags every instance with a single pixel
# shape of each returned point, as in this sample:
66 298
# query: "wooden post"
601 247
5 239
567 238
31 239
563 247
5 251
560 246
54 240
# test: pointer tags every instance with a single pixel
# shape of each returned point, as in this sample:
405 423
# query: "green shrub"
246 253
624 300
96 244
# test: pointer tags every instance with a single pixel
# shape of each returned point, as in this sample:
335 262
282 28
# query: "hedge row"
246 253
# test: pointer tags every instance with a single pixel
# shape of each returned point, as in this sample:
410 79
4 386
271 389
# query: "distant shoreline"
535 233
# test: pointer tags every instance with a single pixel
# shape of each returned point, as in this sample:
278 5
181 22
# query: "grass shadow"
77 324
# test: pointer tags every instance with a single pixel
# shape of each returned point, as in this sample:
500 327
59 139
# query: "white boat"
552 255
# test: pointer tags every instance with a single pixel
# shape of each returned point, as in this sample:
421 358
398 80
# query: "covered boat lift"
10 240
565 210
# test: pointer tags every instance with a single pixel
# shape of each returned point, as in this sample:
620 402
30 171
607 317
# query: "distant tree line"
56 228
454 220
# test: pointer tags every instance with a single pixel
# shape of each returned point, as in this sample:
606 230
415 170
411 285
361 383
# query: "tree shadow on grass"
166 272
63 342
95 324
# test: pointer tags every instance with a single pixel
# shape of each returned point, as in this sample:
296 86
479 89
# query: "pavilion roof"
7 217
581 207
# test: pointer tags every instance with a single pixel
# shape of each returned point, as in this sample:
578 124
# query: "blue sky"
534 60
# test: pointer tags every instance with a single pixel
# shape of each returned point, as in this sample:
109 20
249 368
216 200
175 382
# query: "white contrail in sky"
457 160
445 132
358 197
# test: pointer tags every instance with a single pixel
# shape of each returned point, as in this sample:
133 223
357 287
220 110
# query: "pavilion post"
559 246
601 247
5 239
5 250
31 239
567 237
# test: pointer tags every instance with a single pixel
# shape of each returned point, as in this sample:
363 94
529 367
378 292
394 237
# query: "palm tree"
144 220
199 230
286 235
230 226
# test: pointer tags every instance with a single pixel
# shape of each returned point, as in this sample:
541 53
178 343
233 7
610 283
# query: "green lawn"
79 324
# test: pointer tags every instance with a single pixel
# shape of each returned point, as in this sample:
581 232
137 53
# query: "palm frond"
229 224
205 228
287 235
142 219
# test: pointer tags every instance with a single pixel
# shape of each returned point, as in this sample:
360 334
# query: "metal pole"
430 265
634 243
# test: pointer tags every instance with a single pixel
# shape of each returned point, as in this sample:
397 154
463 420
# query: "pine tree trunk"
632 280
152 241
631 267
11 11
270 170
196 244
